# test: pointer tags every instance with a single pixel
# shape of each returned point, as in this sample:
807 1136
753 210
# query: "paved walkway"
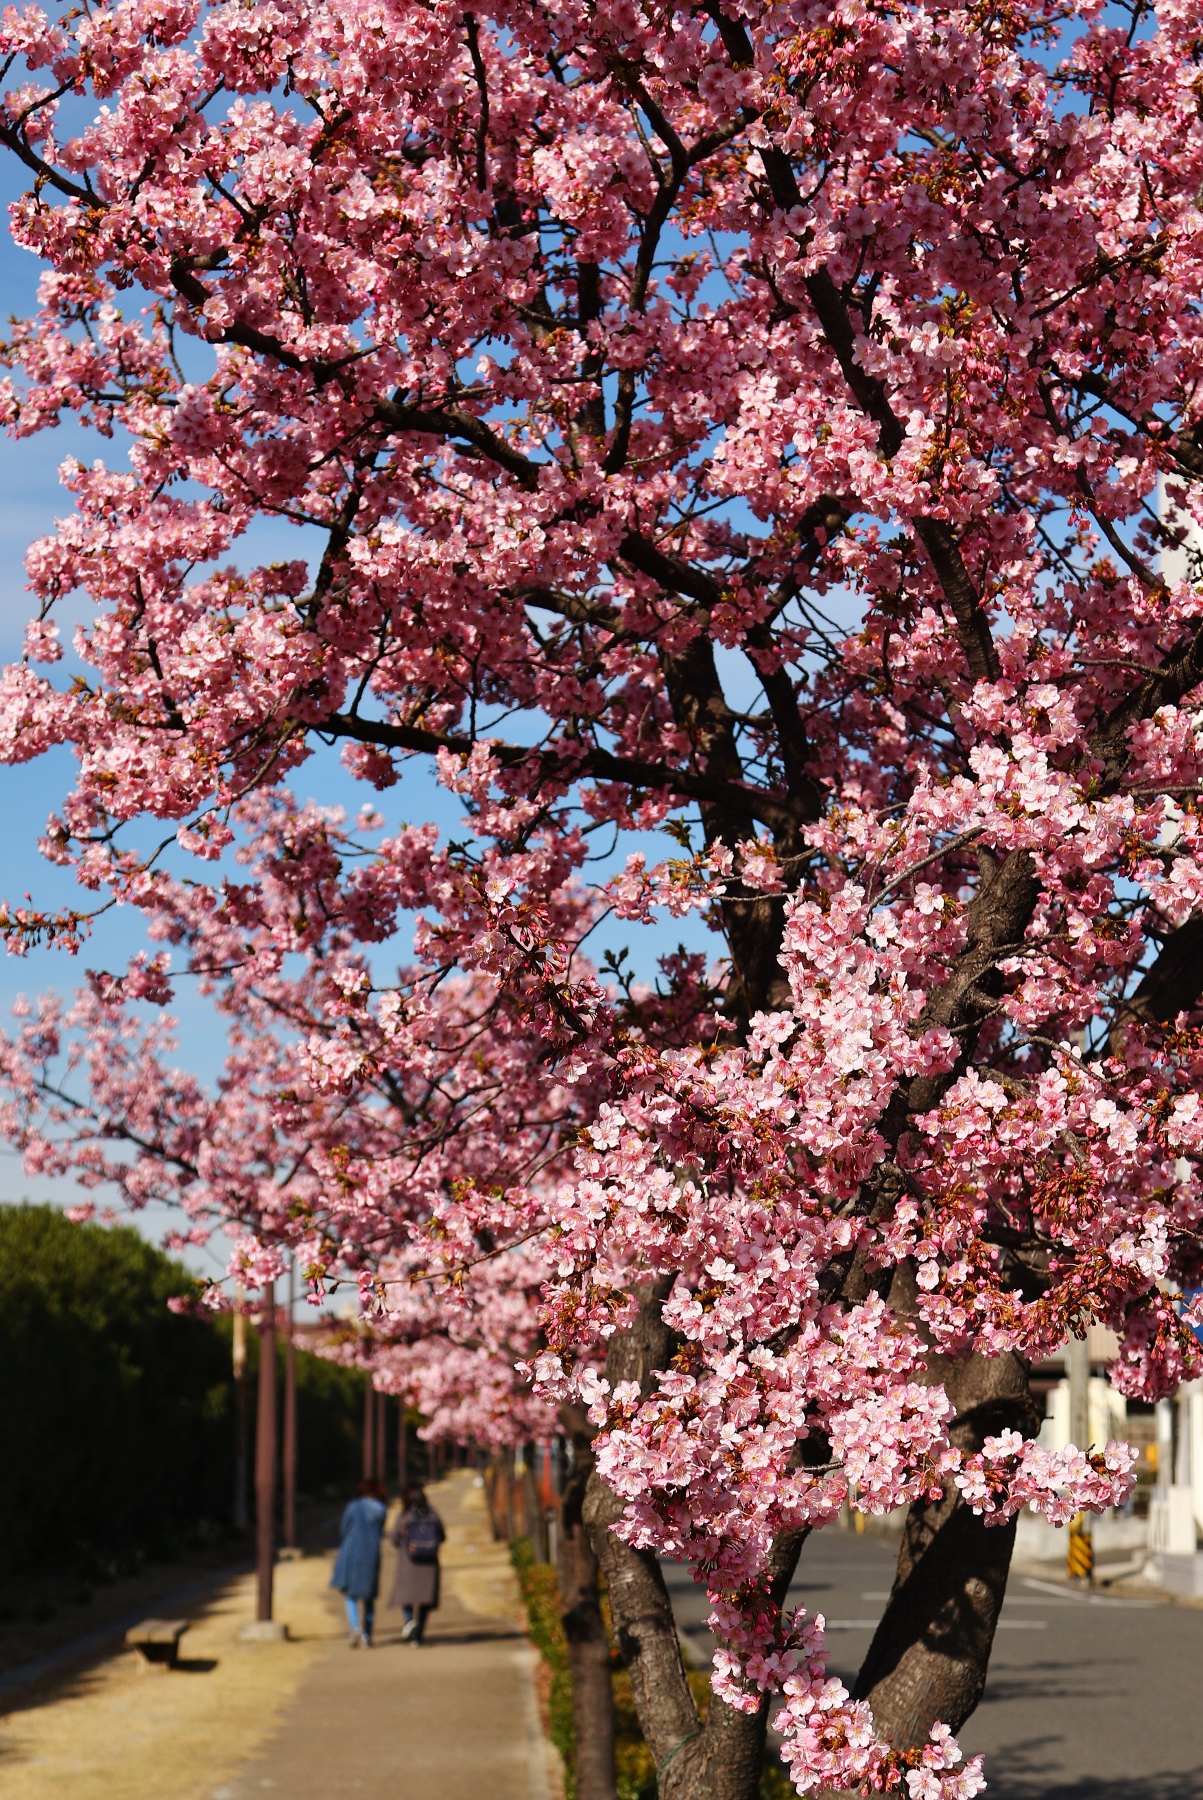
454 1719
308 1719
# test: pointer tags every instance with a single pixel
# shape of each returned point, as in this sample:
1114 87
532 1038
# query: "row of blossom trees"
728 419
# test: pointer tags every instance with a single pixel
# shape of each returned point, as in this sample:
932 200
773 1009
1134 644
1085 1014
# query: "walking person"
417 1535
357 1566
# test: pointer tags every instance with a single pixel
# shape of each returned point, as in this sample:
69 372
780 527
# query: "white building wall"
1108 1415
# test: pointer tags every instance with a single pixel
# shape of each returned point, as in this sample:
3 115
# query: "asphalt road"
1090 1697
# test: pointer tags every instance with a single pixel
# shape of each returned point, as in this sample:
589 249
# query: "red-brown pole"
265 1455
381 1437
369 1421
290 1419
241 1510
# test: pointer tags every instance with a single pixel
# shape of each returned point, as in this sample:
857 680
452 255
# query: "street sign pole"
1080 1550
241 1510
369 1422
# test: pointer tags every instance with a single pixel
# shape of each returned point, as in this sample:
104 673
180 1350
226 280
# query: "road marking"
1051 1587
852 1624
1022 1625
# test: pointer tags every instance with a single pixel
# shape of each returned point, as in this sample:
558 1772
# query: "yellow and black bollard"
1079 1559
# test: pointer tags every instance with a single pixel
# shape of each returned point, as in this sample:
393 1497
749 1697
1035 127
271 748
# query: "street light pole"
265 1456
290 1417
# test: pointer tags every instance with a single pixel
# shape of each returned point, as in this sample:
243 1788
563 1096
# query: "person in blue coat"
357 1566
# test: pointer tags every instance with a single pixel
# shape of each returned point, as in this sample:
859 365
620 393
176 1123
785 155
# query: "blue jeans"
360 1614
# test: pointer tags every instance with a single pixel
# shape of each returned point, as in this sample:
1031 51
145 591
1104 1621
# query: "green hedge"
117 1416
115 1429
541 1593
329 1415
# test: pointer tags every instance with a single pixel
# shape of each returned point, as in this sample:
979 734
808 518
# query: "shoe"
407 1631
365 1643
353 1640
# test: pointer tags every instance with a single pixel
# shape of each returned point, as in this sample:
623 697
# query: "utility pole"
241 1513
290 1417
265 1456
369 1422
381 1438
1080 1551
265 1628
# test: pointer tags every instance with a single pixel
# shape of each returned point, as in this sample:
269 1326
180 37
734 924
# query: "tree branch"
566 765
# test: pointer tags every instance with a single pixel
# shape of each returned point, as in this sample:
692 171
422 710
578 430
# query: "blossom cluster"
735 422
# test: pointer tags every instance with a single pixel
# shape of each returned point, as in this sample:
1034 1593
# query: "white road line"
1051 1587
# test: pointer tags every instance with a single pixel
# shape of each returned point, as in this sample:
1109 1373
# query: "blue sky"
31 498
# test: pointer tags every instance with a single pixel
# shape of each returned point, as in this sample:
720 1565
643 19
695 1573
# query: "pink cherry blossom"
742 424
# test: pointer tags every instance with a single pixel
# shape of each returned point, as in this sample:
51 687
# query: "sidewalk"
108 1729
452 1720
306 1718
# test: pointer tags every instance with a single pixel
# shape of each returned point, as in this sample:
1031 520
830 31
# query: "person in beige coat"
417 1534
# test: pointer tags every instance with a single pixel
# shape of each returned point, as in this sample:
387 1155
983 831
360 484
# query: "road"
1090 1697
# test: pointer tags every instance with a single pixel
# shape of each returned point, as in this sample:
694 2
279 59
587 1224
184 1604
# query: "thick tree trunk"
722 1759
639 1603
929 1656
644 1626
584 1629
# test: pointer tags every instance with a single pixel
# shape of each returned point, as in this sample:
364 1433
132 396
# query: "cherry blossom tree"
360 1177
734 420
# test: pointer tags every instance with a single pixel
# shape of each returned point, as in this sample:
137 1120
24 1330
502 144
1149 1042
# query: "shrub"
115 1433
117 1429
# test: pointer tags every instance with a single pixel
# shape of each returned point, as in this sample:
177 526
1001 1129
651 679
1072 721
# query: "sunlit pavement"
1090 1696
456 1719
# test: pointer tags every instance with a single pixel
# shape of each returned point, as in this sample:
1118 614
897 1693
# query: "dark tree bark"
639 1603
1172 985
930 1653
584 1628
721 1759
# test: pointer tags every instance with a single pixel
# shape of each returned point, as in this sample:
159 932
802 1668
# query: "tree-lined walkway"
308 1717
451 1720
